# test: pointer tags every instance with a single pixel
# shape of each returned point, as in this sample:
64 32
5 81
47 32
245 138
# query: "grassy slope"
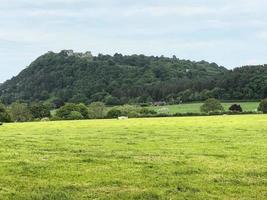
195 107
165 158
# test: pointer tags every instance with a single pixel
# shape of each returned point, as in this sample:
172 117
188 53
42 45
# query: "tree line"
21 112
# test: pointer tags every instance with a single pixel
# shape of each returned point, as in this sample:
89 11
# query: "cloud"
230 32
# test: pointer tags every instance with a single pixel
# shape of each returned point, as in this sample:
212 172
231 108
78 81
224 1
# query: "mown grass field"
222 157
195 107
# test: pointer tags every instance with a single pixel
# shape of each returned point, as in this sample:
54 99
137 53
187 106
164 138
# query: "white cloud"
230 32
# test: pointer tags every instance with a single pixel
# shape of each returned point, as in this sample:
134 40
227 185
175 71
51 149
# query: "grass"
195 107
222 157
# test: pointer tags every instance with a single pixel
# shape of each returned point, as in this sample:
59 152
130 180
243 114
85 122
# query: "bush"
145 104
146 111
130 111
75 115
133 114
263 106
235 108
211 105
70 111
114 113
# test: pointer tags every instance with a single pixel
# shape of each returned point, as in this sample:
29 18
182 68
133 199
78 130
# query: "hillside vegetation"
77 77
165 158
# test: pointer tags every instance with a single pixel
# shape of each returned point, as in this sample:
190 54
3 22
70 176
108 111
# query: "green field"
195 107
222 157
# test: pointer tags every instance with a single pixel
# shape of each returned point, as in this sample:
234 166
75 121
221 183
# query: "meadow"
195 107
219 157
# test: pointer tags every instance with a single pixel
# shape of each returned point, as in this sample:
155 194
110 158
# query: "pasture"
195 107
220 157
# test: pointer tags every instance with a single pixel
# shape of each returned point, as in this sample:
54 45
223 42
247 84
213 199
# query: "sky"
231 33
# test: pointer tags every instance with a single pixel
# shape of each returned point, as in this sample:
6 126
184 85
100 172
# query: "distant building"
87 54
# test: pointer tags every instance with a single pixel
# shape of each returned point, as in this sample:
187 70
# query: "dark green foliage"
111 79
20 112
249 82
146 111
75 115
235 108
39 110
211 105
114 113
4 116
112 101
263 106
72 111
96 110
57 103
118 79
130 111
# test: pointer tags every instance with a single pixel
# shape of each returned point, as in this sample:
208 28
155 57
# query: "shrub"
75 115
145 104
70 111
263 106
146 111
235 108
114 113
83 109
211 105
126 109
133 114
130 111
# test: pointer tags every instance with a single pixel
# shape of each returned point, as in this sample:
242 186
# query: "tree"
146 111
263 106
83 109
20 112
74 78
75 115
211 105
236 108
57 103
114 113
79 98
4 116
70 110
97 110
39 111
112 101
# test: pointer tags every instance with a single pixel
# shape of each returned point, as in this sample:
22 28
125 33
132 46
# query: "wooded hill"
119 79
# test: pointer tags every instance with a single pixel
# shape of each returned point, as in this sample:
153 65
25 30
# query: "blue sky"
229 32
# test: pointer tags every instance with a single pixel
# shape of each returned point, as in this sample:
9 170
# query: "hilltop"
118 79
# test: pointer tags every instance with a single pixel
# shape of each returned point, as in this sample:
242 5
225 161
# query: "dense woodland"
114 80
